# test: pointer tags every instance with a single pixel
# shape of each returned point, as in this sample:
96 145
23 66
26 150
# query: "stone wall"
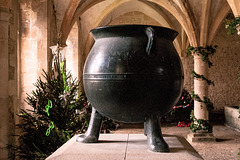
187 62
4 96
9 74
34 51
134 18
24 52
225 70
72 51
52 33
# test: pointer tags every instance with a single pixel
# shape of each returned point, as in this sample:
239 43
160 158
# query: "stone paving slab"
124 147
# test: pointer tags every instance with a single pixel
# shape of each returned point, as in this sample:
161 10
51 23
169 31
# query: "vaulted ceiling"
199 20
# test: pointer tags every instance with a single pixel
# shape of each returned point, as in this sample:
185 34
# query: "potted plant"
232 113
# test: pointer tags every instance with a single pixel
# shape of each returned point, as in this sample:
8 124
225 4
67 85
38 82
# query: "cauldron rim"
136 30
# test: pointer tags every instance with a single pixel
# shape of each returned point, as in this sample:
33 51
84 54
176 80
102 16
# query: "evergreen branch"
62 120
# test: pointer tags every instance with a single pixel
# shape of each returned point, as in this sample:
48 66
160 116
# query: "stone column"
33 46
71 52
200 88
81 58
4 93
200 109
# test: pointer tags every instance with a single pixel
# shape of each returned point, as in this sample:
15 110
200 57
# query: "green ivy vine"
205 100
231 25
204 52
199 124
195 75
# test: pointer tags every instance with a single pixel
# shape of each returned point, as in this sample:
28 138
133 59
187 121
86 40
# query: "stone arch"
74 10
235 7
141 7
222 13
120 8
178 10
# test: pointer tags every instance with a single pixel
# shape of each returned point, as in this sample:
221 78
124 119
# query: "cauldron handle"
150 34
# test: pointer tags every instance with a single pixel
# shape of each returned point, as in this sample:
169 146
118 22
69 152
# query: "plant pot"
231 116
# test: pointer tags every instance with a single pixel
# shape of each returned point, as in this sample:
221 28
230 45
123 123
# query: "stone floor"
225 148
128 142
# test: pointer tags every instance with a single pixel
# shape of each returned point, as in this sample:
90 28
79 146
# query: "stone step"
124 147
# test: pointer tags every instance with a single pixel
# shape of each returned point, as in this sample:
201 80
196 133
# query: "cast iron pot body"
132 72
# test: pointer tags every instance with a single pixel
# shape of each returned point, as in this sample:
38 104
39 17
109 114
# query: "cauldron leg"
93 130
145 128
155 141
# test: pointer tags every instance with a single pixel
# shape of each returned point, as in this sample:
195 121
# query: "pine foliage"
58 111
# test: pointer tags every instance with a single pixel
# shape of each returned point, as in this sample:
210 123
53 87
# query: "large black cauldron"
132 74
